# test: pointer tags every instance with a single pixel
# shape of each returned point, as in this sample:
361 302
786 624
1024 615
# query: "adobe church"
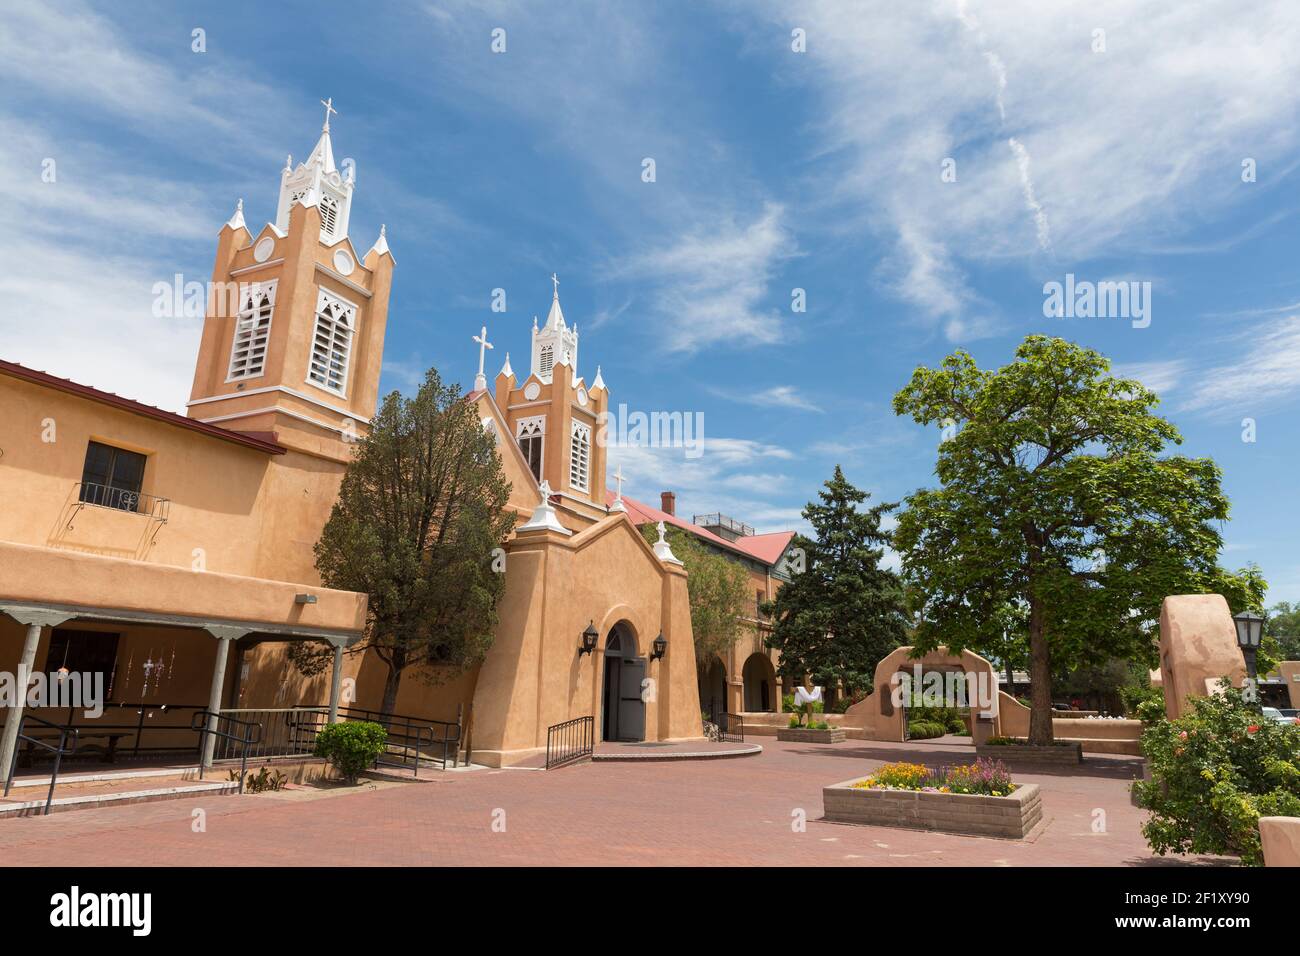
174 552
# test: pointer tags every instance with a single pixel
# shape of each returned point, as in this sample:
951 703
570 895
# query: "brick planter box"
1052 754
805 735
1010 817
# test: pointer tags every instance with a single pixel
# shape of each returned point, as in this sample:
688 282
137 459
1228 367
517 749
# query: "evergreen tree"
420 511
837 619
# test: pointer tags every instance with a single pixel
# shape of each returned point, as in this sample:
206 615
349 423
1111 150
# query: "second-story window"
579 456
112 477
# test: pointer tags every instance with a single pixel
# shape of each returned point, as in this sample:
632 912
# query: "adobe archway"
622 710
760 684
880 718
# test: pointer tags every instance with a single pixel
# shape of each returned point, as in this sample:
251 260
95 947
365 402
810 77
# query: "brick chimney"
668 503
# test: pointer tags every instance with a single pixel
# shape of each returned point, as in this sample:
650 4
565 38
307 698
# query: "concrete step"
118 797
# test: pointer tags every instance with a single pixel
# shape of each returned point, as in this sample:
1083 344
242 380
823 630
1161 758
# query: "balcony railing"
717 520
121 499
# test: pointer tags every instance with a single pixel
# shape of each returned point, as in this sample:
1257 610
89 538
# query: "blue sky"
775 170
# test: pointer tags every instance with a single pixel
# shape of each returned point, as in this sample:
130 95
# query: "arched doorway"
713 691
622 704
760 683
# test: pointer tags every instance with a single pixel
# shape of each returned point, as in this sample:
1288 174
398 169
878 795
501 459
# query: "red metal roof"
766 548
247 439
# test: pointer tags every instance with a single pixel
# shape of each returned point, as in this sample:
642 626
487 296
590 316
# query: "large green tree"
721 602
1056 494
421 510
836 619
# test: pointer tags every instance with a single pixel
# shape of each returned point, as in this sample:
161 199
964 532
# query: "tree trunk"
391 683
1040 678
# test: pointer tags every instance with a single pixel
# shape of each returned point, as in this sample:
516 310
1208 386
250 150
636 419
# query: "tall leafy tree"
844 612
721 602
1056 494
420 511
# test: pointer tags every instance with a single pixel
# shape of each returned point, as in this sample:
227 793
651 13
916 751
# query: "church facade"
173 553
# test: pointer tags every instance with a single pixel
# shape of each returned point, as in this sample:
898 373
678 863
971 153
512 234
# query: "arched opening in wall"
713 691
940 702
622 700
760 683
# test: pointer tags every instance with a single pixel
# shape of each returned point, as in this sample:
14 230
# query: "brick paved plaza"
717 812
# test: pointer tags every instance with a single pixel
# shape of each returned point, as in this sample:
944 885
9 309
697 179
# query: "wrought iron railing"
570 741
717 520
731 728
167 725
60 751
245 733
123 499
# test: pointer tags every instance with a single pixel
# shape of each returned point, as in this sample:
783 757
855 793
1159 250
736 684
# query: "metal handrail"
59 752
570 741
209 717
734 731
143 711
411 734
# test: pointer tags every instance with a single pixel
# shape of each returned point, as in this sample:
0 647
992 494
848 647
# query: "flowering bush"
1214 773
988 777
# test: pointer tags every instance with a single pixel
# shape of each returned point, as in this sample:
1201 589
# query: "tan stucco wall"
880 720
1279 838
1198 645
533 676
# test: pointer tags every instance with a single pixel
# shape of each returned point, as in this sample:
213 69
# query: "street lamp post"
1250 631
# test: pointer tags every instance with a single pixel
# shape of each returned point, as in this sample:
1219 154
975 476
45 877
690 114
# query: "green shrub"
1214 773
787 703
925 729
351 746
794 722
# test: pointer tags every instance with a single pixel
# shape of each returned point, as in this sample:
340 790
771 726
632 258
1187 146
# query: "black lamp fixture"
1250 631
657 647
589 638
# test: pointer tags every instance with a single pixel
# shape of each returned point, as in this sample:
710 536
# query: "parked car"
1275 715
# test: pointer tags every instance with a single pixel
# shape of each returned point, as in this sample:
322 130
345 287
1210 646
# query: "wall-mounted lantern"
658 646
589 638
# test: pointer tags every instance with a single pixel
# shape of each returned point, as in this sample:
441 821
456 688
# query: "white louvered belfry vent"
331 348
252 330
579 456
547 361
329 216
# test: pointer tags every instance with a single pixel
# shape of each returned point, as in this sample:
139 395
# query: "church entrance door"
623 707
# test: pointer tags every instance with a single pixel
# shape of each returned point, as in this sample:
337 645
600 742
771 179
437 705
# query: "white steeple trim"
381 244
599 383
506 370
237 220
317 182
543 517
555 343
662 551
480 380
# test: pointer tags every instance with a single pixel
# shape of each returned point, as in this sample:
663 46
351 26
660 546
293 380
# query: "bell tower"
294 333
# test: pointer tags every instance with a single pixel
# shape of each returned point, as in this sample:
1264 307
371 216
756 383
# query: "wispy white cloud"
1265 372
1125 143
712 282
1162 376
775 396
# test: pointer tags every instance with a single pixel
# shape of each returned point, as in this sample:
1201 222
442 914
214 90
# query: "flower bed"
1008 748
978 799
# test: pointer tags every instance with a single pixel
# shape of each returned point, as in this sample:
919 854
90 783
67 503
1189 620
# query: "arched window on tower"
329 215
331 346
579 456
252 331
530 433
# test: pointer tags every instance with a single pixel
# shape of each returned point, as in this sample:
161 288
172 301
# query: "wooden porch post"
35 620
336 683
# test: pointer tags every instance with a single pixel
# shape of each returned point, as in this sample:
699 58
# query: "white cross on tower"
618 494
555 281
329 108
480 380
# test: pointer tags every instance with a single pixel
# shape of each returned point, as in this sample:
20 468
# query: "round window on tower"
343 263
